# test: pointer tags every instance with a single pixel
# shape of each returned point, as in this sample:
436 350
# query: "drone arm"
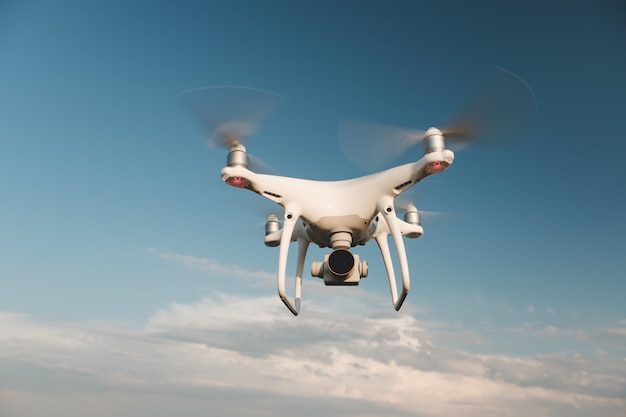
385 207
287 232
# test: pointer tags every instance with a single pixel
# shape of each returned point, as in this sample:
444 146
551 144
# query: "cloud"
614 336
236 355
212 266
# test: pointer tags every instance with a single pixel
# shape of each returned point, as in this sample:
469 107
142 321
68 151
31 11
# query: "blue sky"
133 281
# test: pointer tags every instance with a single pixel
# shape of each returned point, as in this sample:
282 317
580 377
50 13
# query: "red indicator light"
436 167
238 182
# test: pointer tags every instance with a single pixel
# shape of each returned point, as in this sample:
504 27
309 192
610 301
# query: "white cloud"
607 335
355 360
530 308
213 266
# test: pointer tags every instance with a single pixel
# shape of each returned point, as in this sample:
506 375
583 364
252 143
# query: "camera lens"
341 262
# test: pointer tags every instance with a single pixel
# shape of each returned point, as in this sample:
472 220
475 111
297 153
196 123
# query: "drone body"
341 215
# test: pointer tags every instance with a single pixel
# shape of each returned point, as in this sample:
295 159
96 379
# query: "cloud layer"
231 355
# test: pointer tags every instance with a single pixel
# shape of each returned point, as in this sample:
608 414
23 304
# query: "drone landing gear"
341 267
291 219
393 224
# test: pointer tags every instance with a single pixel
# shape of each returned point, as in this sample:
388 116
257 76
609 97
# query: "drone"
344 214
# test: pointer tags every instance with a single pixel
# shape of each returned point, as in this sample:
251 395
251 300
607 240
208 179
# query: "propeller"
501 112
231 115
261 209
408 206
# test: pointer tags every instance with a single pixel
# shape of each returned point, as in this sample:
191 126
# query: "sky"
133 281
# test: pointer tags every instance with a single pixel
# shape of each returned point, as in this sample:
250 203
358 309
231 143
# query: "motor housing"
272 229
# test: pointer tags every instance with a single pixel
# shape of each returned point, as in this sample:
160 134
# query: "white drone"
343 214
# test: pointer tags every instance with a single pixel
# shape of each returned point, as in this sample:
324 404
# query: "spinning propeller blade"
502 111
258 208
231 115
370 146
407 205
